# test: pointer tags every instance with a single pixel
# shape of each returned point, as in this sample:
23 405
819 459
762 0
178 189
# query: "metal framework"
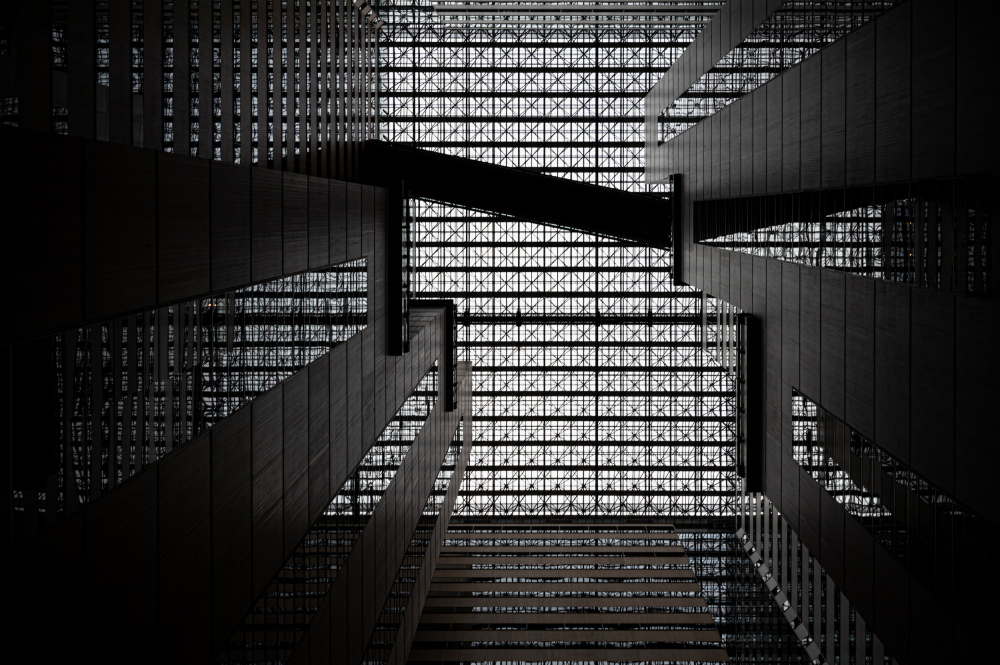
850 241
752 627
592 395
591 392
798 592
383 639
527 87
276 83
916 521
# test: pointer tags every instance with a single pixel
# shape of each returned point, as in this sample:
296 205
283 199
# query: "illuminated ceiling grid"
592 395
562 97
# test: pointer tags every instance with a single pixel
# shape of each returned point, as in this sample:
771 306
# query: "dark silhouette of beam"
519 193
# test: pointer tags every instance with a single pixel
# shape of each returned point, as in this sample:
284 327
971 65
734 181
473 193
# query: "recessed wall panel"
834 114
231 226
266 224
183 227
892 95
860 105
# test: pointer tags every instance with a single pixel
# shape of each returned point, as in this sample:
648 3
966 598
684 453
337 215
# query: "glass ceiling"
558 93
592 395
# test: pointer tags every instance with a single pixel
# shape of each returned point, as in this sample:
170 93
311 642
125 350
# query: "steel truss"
592 395
561 98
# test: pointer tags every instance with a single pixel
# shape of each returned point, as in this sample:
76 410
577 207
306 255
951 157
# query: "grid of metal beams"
592 395
591 392
562 97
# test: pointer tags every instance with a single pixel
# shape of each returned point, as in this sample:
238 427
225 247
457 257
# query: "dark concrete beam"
533 196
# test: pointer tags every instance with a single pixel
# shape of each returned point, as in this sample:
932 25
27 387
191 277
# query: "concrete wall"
110 110
907 97
162 568
728 28
343 626
167 564
104 230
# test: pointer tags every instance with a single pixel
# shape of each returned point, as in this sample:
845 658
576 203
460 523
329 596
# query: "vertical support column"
263 65
803 595
344 37
947 223
81 70
247 12
845 629
350 107
758 502
918 242
778 547
315 34
932 266
206 82
993 284
766 551
793 571
323 52
676 217
152 75
302 120
288 150
120 66
375 82
817 602
182 78
226 77
366 82
860 643
831 595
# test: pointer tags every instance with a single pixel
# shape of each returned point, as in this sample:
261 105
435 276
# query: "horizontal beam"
520 193
509 618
